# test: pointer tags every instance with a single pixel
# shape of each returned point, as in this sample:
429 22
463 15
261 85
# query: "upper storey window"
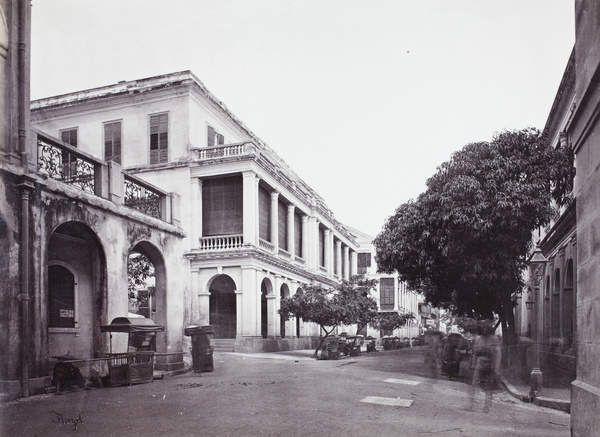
112 141
159 138
364 262
69 136
214 138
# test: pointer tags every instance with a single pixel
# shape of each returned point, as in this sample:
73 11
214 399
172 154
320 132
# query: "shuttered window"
298 234
264 216
363 262
283 227
386 293
213 137
222 206
112 141
69 136
321 247
61 297
159 138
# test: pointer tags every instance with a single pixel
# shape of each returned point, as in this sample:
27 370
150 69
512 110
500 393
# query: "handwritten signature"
72 422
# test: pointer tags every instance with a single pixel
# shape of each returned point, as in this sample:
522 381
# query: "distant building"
255 232
391 293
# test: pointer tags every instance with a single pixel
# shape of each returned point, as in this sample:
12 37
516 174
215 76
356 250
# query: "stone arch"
298 320
74 247
266 289
284 291
157 259
223 306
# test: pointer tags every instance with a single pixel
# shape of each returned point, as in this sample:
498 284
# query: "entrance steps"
222 344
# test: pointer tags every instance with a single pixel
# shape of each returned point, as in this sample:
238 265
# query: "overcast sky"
362 98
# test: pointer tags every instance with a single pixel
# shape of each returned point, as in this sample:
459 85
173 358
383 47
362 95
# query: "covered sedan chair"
136 364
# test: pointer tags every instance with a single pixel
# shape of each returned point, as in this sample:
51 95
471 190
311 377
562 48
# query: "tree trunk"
509 337
316 353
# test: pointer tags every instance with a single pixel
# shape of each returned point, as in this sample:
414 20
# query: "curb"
541 401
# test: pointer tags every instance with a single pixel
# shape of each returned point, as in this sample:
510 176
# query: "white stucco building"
254 231
391 293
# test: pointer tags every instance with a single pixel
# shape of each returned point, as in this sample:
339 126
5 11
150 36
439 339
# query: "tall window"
282 225
222 206
69 136
213 137
112 141
159 138
386 293
61 297
264 214
321 247
363 262
298 234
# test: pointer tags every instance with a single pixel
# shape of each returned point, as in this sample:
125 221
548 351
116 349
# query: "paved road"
383 394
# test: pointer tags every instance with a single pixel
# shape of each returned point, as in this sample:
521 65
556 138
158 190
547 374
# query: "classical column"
275 221
338 251
353 263
346 272
291 231
250 204
272 316
305 240
196 215
328 252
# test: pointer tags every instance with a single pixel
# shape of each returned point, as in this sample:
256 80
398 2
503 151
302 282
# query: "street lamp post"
537 262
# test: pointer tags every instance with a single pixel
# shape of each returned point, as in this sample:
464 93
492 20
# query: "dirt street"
288 394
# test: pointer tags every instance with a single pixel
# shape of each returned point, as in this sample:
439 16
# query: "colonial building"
546 312
391 294
68 221
255 232
564 304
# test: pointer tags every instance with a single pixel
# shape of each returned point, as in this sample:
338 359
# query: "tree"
349 303
390 320
139 271
463 242
355 298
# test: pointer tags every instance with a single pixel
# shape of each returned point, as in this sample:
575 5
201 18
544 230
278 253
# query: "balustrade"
266 245
142 197
222 242
224 151
64 163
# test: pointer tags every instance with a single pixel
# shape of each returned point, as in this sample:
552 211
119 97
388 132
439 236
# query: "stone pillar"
338 251
346 272
272 316
196 215
328 252
353 263
250 204
291 231
275 221
305 240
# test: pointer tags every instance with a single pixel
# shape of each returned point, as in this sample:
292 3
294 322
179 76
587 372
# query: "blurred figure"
454 348
485 362
434 343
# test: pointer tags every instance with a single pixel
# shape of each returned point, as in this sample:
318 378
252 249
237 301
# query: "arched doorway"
223 308
265 289
147 287
284 292
76 292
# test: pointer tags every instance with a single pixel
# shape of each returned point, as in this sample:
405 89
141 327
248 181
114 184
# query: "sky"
362 98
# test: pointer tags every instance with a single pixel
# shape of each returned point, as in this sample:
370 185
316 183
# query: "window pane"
386 293
61 297
222 206
282 222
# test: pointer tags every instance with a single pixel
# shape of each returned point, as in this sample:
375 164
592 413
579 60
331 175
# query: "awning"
127 324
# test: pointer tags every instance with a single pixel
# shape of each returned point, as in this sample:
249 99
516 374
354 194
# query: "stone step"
222 344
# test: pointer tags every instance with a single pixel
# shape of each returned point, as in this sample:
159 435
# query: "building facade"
391 294
254 231
66 230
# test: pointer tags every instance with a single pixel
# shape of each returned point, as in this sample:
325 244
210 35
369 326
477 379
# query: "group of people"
445 353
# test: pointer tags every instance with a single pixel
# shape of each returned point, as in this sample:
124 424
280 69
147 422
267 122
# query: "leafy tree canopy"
139 271
390 320
349 303
463 242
